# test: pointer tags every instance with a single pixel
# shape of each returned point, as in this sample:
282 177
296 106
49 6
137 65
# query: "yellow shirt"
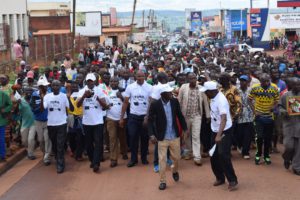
78 111
264 99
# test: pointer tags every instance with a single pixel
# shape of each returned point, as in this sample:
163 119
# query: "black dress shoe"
91 166
296 172
96 168
162 186
176 176
233 186
60 170
131 164
125 157
47 163
113 164
287 164
219 182
145 162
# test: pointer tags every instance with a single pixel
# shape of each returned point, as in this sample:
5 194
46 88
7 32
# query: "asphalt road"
31 180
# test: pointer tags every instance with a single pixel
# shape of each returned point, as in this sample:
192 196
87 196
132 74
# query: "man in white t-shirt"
138 93
221 125
56 103
116 133
92 100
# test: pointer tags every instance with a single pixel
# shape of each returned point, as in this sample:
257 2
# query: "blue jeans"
136 132
2 142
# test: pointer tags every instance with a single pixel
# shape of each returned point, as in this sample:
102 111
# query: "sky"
127 5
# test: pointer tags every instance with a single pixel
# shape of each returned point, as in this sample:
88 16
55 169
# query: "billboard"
288 3
196 21
188 18
227 21
261 33
285 21
87 23
238 20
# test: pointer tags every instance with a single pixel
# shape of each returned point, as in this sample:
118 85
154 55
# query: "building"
118 35
43 9
13 17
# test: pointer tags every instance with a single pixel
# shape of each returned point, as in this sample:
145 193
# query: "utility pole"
143 18
73 28
133 13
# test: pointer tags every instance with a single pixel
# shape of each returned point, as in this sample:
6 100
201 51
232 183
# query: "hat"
91 77
166 88
30 74
232 74
244 77
35 67
256 56
210 85
22 62
43 81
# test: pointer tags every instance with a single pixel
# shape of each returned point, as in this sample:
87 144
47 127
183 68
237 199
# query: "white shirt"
92 110
139 97
114 112
56 105
155 94
100 56
219 106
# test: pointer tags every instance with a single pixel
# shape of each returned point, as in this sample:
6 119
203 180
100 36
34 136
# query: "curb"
5 166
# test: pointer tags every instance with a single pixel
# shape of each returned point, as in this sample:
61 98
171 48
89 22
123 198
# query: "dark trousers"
245 134
58 136
221 160
76 142
156 159
94 143
264 130
205 136
137 133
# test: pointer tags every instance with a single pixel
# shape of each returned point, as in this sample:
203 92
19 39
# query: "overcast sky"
127 5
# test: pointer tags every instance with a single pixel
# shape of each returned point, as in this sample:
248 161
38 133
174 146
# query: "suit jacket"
157 121
183 98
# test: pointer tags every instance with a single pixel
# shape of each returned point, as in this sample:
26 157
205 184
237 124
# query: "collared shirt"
170 133
247 114
139 97
219 106
234 100
264 100
193 103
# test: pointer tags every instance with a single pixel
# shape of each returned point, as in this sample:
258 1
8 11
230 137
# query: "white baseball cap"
166 88
22 62
43 81
91 77
209 85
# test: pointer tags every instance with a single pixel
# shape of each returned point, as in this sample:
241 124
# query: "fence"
42 49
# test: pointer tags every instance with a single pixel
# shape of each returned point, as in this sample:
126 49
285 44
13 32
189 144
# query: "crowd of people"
191 103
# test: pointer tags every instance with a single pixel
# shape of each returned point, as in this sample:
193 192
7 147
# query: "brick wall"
49 23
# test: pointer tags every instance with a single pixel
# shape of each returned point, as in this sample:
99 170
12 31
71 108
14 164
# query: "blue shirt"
170 133
35 104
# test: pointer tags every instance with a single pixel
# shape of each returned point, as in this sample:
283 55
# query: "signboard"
238 20
288 3
139 37
109 42
261 33
88 23
196 21
285 21
134 47
105 20
2 38
293 105
228 29
188 18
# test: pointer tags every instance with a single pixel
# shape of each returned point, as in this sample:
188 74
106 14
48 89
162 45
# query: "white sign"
88 23
285 21
2 41
108 42
135 47
139 37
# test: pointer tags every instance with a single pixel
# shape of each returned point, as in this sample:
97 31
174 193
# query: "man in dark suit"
164 129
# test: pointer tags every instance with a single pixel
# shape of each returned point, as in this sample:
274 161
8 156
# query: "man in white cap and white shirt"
221 125
40 117
163 128
93 100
